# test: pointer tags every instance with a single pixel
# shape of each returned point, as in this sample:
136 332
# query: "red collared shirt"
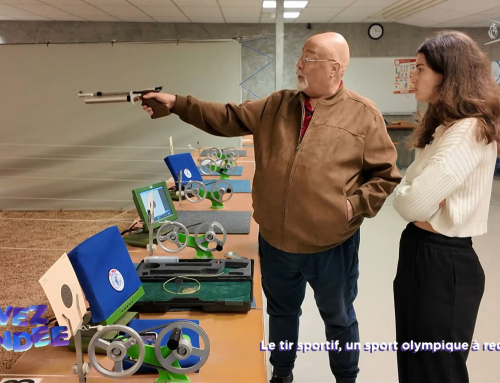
307 117
308 114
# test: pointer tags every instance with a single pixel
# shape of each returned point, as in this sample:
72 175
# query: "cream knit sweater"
457 168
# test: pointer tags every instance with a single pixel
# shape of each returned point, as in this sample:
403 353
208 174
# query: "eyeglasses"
307 60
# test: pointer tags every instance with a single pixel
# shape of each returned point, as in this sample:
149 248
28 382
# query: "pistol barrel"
108 99
101 94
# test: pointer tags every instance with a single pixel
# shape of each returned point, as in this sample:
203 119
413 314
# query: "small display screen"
162 208
149 338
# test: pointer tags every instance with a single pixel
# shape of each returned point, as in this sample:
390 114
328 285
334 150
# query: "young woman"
445 195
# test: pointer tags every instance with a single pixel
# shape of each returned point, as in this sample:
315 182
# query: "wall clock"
375 31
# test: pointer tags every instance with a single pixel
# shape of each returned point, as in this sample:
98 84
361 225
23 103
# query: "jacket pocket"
346 215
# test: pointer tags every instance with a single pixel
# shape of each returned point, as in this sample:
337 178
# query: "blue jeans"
333 275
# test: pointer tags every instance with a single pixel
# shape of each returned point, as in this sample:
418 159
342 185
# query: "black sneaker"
279 379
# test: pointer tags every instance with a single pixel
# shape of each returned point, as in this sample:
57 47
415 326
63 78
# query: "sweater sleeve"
224 120
379 168
457 155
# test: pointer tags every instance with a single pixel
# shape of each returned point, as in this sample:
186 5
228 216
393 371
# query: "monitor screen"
161 205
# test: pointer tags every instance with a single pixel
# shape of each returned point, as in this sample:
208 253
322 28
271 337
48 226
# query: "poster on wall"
404 68
495 70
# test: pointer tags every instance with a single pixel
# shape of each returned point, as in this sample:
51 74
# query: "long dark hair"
467 90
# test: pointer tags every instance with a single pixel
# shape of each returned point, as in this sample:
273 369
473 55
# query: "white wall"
56 152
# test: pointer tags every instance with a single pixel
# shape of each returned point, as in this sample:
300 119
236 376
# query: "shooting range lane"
234 222
238 186
241 153
247 173
237 172
234 204
241 184
231 351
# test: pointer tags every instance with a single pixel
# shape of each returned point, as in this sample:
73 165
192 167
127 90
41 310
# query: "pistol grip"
159 109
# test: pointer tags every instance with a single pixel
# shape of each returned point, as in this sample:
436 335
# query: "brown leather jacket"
300 188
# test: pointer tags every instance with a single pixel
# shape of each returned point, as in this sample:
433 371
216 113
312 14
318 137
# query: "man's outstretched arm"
225 120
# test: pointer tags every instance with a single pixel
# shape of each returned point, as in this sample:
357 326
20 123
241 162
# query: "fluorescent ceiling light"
291 15
288 4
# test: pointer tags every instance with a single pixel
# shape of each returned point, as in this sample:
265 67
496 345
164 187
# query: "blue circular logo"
116 280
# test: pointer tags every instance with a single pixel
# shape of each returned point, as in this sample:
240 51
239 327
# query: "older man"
324 161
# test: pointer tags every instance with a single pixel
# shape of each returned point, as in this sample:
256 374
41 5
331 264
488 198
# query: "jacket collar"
330 100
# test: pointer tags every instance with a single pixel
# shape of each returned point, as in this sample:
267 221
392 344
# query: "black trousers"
437 291
333 275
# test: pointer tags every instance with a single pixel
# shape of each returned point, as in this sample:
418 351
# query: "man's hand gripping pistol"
159 109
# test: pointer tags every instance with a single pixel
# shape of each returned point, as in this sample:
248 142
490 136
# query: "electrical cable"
191 278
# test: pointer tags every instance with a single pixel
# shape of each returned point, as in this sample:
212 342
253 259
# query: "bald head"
333 45
323 62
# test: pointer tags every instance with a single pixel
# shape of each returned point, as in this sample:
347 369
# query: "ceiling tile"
82 10
242 20
313 19
295 10
196 3
122 11
44 10
240 12
35 18
360 11
355 14
108 2
482 24
438 15
63 2
321 11
206 12
71 18
173 19
2 17
328 3
199 19
137 19
102 18
374 3
22 15
240 3
412 20
347 19
450 24
153 3
21 2
163 11
268 17
7 8
463 21
491 12
374 20
467 6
